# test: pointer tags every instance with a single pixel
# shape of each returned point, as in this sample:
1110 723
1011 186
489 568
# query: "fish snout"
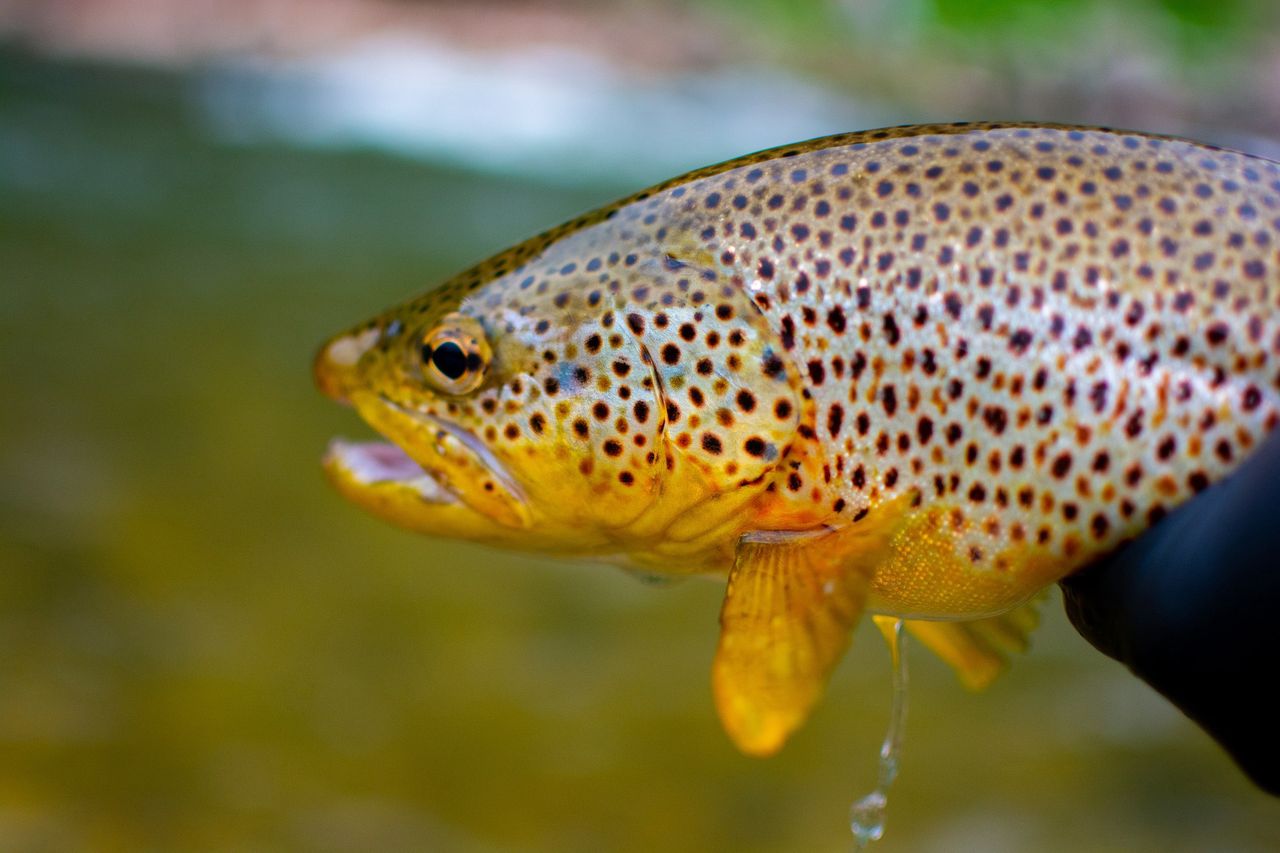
334 367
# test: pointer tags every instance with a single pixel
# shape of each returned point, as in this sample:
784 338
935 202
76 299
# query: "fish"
919 373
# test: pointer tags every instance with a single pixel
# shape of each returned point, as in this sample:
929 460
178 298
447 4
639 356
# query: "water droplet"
866 816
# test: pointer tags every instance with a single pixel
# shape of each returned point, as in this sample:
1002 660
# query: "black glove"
1192 607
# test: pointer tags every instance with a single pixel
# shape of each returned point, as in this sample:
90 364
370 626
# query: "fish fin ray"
980 649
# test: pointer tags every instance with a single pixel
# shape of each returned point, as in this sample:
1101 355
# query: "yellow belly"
927 575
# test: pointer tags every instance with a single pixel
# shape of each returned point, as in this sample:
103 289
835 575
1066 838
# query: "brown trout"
921 372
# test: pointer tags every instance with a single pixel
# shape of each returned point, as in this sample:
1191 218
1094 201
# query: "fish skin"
1007 348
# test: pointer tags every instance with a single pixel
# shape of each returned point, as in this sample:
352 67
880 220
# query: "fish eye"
449 359
455 355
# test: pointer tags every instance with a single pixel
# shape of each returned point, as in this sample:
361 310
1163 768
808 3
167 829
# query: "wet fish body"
920 372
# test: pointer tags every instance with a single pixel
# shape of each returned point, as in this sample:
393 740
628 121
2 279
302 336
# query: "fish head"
514 413
565 397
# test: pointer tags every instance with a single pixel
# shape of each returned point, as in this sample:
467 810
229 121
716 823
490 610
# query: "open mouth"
373 462
428 463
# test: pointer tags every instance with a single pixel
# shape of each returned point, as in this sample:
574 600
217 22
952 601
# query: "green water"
201 647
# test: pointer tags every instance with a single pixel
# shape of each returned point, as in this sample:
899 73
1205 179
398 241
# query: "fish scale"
921 371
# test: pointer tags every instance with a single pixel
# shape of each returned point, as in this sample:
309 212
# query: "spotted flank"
921 372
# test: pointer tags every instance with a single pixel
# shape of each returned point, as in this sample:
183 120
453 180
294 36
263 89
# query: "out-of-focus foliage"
1189 66
201 647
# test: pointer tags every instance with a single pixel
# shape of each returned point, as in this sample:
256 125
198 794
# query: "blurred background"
203 648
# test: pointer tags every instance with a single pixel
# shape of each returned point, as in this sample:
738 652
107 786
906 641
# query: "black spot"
788 332
858 365
836 320
816 371
1061 465
835 418
891 329
953 305
986 314
995 418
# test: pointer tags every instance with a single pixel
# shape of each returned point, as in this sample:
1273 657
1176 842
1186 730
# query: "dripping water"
866 816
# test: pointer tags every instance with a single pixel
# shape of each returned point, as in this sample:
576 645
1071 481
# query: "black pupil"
449 359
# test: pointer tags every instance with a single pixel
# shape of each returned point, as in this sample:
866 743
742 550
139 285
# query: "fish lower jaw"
370 463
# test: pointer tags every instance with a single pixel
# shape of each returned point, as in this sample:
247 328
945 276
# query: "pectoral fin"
788 612
979 650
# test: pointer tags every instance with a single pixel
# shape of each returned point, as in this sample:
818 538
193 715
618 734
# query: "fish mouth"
427 464
373 463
